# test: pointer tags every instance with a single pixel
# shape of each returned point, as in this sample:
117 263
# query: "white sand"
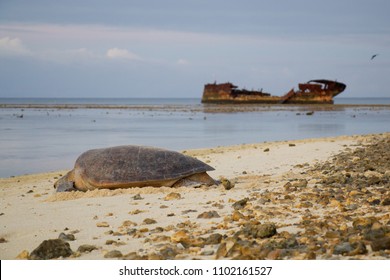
31 211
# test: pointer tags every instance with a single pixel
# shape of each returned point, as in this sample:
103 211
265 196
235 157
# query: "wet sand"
290 200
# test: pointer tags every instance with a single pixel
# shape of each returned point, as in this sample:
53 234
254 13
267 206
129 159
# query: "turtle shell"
133 165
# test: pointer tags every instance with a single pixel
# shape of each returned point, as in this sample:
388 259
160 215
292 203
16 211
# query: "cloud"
182 61
95 35
68 56
115 53
12 46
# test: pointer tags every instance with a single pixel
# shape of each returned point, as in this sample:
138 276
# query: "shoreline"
187 223
198 107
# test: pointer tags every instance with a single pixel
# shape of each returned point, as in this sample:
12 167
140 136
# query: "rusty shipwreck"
313 92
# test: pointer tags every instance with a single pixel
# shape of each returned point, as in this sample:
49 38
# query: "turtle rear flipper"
195 180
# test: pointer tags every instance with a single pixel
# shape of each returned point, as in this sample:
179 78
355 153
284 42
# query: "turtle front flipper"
66 183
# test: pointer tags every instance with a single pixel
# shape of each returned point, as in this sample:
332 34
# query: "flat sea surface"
41 135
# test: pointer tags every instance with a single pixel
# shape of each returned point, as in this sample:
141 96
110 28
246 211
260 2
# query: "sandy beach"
290 200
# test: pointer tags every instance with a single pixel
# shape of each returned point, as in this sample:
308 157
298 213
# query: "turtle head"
65 183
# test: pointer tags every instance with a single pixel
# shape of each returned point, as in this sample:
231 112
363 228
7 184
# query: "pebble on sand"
209 215
102 224
227 184
172 196
86 248
113 254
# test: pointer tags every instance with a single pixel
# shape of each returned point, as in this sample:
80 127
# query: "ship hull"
312 92
277 100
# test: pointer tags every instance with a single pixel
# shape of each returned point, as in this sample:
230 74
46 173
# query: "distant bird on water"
372 57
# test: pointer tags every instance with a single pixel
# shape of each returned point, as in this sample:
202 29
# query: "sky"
171 48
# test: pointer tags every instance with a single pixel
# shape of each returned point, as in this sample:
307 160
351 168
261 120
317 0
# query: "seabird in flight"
372 57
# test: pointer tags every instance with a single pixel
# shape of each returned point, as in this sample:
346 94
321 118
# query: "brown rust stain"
314 91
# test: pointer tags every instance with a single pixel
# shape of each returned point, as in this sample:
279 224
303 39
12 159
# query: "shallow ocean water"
48 139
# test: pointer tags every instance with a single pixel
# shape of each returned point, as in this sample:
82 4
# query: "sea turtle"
134 166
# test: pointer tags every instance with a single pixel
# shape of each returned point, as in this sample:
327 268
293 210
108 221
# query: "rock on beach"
51 249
